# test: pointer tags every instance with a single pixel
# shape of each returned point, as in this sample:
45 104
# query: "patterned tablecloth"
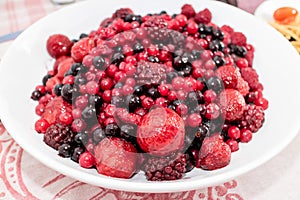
19 178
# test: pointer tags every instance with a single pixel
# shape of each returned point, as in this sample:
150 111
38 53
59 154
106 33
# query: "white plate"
265 10
24 65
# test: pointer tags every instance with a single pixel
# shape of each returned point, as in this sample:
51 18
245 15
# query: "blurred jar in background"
247 5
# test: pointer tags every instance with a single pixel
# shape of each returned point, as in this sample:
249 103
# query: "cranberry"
152 50
194 120
203 43
39 109
192 27
209 96
141 111
206 55
68 80
181 94
242 63
147 102
106 84
41 125
233 144
178 83
106 96
92 87
210 64
78 125
161 102
229 60
234 132
86 160
130 82
130 59
163 90
109 110
41 89
212 111
182 109
182 19
190 84
126 89
200 85
172 95
65 118
262 102
246 136
111 71
81 102
109 120
197 73
119 76
76 113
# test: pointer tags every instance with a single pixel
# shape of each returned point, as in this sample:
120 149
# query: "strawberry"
161 132
82 48
249 74
59 45
115 157
63 67
188 10
229 75
232 103
214 153
238 38
54 108
203 16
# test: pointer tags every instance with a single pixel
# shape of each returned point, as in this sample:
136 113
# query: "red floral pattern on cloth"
20 180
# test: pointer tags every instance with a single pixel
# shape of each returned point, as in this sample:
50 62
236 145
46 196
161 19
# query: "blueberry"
209 30
65 150
201 28
81 138
215 84
112 130
98 62
76 153
98 135
88 113
67 92
134 102
241 51
57 89
163 12
138 90
219 61
83 35
46 78
80 80
216 45
218 34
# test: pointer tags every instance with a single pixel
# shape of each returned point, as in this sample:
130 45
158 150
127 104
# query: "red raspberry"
82 48
238 38
228 29
59 45
243 86
57 62
229 75
188 10
249 74
115 157
55 108
122 12
232 103
249 57
203 16
161 132
50 84
253 118
214 153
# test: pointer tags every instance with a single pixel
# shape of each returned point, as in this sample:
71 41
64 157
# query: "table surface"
277 179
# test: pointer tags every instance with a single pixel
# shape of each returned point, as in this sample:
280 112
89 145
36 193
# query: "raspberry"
121 13
59 45
54 108
228 29
238 38
156 21
249 57
115 157
82 48
243 86
188 10
57 62
63 67
150 73
214 153
57 135
253 118
229 75
232 103
249 74
203 16
165 168
161 132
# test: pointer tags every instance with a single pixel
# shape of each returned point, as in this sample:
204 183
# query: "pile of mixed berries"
157 93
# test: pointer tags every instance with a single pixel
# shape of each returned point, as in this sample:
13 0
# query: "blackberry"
46 78
58 134
76 153
112 130
208 30
253 118
170 167
156 21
